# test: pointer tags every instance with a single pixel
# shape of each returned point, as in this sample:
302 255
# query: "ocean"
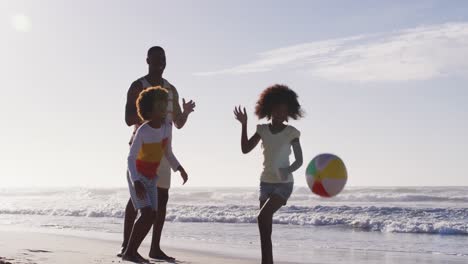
423 220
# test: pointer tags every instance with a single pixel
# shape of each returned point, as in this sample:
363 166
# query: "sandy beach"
29 247
32 247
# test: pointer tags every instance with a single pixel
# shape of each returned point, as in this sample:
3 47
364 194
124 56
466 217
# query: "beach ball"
326 175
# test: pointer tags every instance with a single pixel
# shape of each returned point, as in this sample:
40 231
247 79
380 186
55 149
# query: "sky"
383 85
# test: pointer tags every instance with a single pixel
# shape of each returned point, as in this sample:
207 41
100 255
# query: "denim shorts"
283 190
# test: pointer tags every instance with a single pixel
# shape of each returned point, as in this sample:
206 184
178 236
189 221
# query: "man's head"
156 59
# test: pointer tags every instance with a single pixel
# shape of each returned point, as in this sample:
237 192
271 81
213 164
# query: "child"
277 103
152 141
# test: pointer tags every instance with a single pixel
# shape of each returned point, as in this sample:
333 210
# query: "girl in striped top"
151 143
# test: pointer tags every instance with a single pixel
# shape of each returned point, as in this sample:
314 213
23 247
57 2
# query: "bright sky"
383 84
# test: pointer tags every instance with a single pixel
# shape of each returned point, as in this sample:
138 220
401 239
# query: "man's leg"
156 252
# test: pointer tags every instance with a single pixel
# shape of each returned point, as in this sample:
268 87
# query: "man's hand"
182 117
140 190
188 107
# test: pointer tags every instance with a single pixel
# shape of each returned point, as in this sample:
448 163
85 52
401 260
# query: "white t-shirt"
173 109
276 151
149 147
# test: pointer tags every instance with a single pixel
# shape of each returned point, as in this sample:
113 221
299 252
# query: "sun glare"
21 23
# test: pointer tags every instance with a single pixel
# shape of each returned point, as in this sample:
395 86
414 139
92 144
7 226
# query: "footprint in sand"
5 260
38 251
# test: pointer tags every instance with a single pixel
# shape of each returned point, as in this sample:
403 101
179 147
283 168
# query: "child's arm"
132 169
171 158
132 156
246 144
296 145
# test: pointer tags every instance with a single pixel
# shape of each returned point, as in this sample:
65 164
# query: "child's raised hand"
241 116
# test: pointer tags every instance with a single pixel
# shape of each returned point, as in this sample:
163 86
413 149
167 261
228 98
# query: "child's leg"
139 232
265 225
129 220
156 252
130 215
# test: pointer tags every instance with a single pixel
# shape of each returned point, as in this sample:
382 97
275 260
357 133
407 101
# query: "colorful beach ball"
326 175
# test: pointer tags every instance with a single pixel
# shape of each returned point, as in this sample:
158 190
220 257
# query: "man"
156 60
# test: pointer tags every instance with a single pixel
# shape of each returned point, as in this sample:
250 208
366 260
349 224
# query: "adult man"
156 60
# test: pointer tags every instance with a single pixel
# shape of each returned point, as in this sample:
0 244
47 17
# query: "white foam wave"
440 210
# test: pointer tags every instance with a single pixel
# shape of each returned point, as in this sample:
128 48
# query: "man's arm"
131 115
180 118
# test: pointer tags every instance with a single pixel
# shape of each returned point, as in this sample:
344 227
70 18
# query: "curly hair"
275 95
146 99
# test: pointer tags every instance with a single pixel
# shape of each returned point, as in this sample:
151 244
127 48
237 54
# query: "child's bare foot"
160 255
137 258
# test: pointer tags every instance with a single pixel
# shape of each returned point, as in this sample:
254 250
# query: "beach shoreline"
43 247
35 247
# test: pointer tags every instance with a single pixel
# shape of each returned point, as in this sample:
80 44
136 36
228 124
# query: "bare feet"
160 255
137 258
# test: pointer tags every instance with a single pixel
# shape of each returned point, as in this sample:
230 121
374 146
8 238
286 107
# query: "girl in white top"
152 141
277 103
